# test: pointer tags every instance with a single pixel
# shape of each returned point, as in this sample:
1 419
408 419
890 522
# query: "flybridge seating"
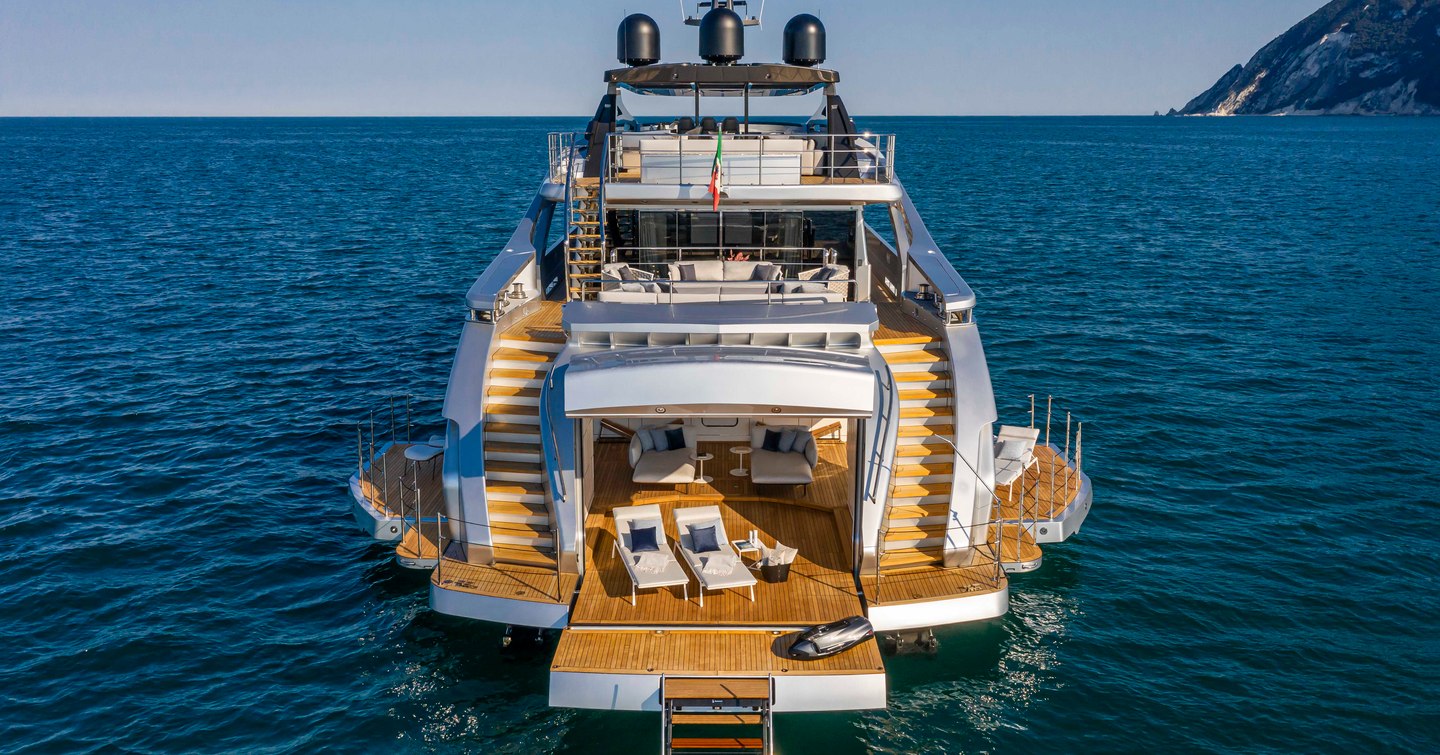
682 153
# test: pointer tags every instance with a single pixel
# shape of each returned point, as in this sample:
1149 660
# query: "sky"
545 57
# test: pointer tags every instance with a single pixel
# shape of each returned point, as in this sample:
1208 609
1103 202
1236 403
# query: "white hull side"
641 692
522 613
385 529
935 613
1068 523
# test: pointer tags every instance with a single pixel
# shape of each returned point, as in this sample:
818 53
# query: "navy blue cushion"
772 440
643 540
675 438
702 540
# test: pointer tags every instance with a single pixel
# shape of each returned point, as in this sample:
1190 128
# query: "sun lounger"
1014 452
647 569
738 575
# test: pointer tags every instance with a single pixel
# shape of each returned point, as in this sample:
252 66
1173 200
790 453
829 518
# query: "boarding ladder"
584 229
703 707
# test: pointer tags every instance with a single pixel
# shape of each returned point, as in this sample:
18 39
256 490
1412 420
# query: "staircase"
521 529
913 532
738 707
584 238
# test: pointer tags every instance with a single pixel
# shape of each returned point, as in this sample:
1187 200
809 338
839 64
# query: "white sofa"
793 467
668 467
720 280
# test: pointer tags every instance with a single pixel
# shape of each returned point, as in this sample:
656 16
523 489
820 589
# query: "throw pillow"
647 441
687 272
626 274
657 438
675 439
772 441
765 271
643 540
787 442
825 274
703 540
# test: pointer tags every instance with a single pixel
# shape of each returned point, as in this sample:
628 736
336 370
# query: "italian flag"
715 173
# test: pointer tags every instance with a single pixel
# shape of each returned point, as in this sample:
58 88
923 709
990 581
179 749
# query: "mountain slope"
1351 57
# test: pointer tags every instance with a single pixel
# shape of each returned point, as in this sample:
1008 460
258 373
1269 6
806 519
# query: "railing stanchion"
1032 410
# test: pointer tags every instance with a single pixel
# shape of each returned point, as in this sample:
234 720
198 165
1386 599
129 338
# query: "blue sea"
1243 312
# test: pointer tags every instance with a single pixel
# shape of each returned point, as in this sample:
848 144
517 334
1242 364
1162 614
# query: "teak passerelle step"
716 719
511 354
717 689
903 557
716 744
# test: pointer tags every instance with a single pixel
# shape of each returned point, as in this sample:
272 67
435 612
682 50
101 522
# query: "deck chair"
705 516
666 571
1014 452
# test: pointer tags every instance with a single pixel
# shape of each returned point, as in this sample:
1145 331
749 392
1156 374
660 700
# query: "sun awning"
685 381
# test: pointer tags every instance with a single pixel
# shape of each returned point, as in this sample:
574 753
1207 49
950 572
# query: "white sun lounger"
670 574
702 516
1014 452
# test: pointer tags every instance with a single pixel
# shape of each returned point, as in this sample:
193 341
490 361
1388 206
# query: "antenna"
734 5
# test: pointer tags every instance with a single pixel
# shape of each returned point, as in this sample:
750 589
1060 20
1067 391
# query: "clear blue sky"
472 57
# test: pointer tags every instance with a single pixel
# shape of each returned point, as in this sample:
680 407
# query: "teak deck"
389 477
1050 486
514 581
701 653
821 586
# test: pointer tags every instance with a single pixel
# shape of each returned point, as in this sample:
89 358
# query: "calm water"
1244 311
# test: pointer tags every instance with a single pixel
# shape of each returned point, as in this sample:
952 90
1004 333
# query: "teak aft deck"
821 586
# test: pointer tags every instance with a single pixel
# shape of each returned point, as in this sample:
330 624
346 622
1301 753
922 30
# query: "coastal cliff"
1351 57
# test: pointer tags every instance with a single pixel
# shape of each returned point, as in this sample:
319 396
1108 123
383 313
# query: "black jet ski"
826 640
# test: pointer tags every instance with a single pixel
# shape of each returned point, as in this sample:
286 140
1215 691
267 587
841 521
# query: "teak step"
517 467
716 744
922 450
905 341
521 529
905 557
524 555
510 487
923 431
517 508
522 410
516 374
511 391
924 394
510 428
919 511
916 412
509 354
717 689
914 356
502 447
920 491
923 470
538 336
716 719
922 532
921 377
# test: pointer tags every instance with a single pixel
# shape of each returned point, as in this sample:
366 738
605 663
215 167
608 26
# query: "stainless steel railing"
753 159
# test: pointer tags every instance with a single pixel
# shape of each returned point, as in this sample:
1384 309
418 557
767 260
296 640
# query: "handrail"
872 475
671 287
951 295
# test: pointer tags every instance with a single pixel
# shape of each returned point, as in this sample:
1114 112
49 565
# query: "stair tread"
511 428
920 491
905 340
916 431
715 719
538 336
521 467
716 743
520 529
923 470
919 510
512 391
918 356
922 394
512 354
511 447
511 373
527 555
514 488
915 532
517 410
921 377
901 557
915 412
517 508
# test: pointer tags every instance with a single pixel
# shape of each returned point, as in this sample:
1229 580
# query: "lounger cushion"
643 539
775 468
1011 449
665 467
703 539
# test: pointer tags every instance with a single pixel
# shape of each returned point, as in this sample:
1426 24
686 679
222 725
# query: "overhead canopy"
763 79
727 381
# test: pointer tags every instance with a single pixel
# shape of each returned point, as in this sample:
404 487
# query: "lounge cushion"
659 440
775 468
665 467
642 540
703 539
647 442
787 441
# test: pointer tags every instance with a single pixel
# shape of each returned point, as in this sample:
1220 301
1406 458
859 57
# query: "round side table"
742 452
700 475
